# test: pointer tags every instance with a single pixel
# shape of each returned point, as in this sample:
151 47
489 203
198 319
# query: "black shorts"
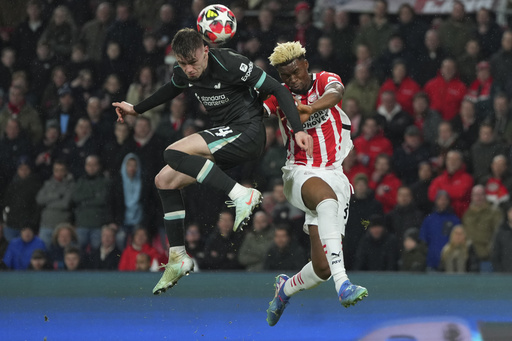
235 144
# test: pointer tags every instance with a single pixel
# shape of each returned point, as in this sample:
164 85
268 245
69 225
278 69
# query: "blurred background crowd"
429 98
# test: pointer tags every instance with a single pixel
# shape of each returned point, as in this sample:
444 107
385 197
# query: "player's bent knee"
174 158
162 181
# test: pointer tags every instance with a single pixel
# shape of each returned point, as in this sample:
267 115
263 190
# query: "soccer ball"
216 23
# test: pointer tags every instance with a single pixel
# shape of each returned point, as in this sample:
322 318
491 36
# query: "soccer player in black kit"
226 83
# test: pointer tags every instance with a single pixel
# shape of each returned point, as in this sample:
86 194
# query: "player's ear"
306 64
206 49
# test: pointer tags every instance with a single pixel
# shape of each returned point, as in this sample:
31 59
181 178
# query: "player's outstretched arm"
122 109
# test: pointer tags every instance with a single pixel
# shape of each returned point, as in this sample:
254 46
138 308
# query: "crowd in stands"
429 100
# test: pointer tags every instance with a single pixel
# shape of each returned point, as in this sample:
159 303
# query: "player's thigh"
169 178
318 258
314 191
194 145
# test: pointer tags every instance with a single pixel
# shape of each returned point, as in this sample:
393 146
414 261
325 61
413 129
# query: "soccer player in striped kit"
317 184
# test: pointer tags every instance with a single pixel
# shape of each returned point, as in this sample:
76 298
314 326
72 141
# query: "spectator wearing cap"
17 108
455 181
458 255
501 63
66 114
378 249
408 156
456 31
304 31
94 31
479 91
392 118
20 206
20 249
436 228
414 252
502 247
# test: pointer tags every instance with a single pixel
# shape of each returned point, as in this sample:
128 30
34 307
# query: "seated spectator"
481 221
402 85
84 89
61 32
3 242
459 256
20 249
395 50
409 155
324 57
194 244
468 60
483 151
140 244
152 55
39 261
426 119
446 91
364 88
112 91
13 145
420 188
222 246
479 92
50 95
72 258
501 118
392 118
278 208
455 181
498 184
352 167
19 201
414 252
404 215
94 31
351 108
114 151
466 123
78 61
148 147
54 198
378 250
45 152
66 114
385 183
143 262
502 248
436 228
447 140
371 143
456 30
63 236
107 256
253 251
284 253
115 62
429 58
40 70
145 84
102 129
501 63
488 32
170 128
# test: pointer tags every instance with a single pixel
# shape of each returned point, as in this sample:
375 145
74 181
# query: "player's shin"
330 236
174 216
303 280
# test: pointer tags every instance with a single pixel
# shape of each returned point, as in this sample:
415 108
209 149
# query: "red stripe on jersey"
317 152
328 131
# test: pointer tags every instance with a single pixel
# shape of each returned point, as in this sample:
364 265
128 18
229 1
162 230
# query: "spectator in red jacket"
446 91
402 85
352 167
480 90
371 143
385 183
455 181
139 245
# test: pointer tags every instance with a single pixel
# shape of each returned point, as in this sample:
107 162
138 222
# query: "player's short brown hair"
186 42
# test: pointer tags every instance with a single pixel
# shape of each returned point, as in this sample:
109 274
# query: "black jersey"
227 87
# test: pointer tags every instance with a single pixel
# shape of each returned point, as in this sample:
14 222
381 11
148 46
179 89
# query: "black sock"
174 216
202 169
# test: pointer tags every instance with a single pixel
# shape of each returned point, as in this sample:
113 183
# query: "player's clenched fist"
122 109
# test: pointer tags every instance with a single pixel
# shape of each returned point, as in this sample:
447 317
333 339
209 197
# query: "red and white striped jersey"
330 128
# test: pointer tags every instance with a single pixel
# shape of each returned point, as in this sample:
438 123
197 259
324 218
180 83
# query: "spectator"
498 184
384 182
304 31
354 113
488 32
414 252
256 243
195 244
102 129
13 145
7 63
404 215
456 30
40 69
54 198
377 34
39 261
145 85
66 114
148 148
17 108
468 60
78 61
94 31
501 117
429 60
459 256
140 244
324 58
279 209
27 34
284 253
75 150
189 15
436 228
269 165
364 57
371 143
364 89
170 128
19 202
3 242
411 28
362 205
404 87
167 26
394 51
107 256
455 181
90 206
392 118
447 140
222 246
115 62
63 236
352 167
45 152
501 63
50 95
479 91
143 262
378 249
483 151
61 32
343 40
146 11
446 91
152 55
20 249
466 123
502 248
420 188
481 221
72 258
409 155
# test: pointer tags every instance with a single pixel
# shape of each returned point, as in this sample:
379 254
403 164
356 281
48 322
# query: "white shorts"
295 176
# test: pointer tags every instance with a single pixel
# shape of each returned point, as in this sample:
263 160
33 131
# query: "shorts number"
345 212
223 131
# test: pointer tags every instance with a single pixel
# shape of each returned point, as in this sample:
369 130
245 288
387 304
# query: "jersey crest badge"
243 67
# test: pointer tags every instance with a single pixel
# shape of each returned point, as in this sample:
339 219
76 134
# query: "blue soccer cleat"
280 301
350 294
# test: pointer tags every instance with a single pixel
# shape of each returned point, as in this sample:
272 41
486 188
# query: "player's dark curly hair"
186 42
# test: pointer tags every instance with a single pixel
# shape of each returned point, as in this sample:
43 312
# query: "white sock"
177 250
237 191
303 280
330 236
